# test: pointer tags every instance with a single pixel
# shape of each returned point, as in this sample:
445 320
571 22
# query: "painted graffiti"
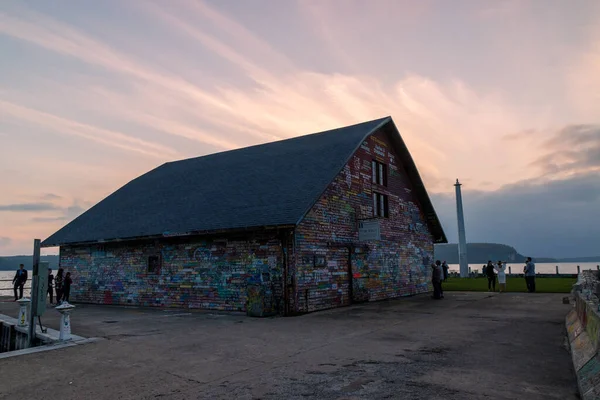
398 265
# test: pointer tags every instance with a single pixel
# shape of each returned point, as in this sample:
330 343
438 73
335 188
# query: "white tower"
462 240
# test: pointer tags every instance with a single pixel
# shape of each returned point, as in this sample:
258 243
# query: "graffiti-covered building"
298 225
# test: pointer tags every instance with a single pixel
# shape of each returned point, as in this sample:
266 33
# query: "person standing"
445 268
19 281
50 285
530 275
436 280
58 285
67 287
501 268
491 275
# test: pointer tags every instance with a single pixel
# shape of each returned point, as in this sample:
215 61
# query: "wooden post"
34 290
510 270
578 270
557 270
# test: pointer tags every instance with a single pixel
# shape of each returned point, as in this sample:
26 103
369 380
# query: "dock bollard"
23 319
65 320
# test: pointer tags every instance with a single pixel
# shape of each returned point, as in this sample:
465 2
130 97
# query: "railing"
12 288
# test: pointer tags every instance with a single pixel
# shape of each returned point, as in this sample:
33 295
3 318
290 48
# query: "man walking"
530 275
19 281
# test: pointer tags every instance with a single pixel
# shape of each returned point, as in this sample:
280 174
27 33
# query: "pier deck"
467 346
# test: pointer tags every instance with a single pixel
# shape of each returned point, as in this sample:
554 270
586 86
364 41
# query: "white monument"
462 240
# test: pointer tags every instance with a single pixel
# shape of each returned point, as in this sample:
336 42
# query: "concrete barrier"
12 337
583 330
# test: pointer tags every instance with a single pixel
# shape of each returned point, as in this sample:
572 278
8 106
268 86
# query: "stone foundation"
583 329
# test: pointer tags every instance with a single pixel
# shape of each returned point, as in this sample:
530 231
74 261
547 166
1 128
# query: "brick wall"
216 274
397 265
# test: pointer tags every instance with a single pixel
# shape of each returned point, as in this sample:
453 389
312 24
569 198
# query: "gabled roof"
273 184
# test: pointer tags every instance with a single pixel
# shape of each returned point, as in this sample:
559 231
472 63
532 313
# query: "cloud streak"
28 207
74 128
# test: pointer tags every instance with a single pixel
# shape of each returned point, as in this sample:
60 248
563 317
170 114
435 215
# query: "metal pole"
34 290
462 240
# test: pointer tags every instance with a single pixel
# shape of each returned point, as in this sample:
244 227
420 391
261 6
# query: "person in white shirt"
501 269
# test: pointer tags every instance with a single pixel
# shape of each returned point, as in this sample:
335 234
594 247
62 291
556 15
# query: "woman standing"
501 268
58 285
67 287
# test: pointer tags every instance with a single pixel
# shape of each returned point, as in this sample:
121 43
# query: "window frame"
381 205
379 173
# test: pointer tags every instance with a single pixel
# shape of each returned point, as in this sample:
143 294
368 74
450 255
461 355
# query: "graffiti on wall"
398 265
196 274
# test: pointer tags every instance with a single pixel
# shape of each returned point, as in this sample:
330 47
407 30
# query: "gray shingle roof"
266 185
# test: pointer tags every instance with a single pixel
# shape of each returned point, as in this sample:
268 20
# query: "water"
8 285
540 268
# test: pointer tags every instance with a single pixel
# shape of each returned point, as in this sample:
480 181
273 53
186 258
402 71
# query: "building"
298 225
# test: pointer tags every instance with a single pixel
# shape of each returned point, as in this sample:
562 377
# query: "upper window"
380 205
379 173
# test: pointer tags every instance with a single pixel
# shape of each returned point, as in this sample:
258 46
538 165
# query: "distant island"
480 253
11 263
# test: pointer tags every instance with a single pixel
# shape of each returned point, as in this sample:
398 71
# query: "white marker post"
23 319
65 320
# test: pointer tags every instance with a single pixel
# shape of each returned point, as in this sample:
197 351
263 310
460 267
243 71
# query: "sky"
503 95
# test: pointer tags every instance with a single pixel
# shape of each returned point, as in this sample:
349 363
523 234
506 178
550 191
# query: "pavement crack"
185 378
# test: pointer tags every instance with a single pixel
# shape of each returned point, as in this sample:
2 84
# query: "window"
154 264
380 205
379 173
99 251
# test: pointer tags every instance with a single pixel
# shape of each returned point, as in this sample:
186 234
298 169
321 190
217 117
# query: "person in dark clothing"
436 280
50 287
445 267
67 287
491 275
58 285
529 272
19 281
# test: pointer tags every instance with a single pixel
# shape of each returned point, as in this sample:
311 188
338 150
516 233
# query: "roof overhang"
169 235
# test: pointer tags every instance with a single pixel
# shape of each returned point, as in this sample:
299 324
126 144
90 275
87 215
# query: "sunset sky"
504 95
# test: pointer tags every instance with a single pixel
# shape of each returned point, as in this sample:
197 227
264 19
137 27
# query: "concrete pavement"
467 346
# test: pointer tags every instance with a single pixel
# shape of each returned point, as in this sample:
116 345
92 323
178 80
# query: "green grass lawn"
513 284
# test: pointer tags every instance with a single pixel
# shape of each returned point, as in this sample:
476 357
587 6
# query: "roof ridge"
300 137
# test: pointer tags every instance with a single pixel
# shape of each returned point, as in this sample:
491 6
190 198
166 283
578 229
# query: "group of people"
490 271
61 283
439 274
